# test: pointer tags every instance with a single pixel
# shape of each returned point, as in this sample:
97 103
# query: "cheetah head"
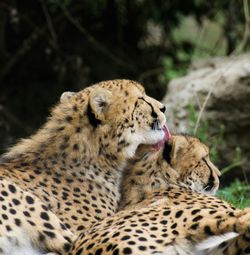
118 116
189 157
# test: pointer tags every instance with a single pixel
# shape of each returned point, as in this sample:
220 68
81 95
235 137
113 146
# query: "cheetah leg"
239 244
219 223
230 243
27 217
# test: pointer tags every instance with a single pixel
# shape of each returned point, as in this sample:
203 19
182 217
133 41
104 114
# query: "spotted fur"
66 177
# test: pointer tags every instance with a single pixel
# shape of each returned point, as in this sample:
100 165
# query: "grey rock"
227 82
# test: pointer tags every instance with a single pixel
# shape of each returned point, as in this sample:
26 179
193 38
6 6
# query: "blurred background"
48 47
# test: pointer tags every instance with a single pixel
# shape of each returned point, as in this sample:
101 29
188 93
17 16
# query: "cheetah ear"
66 96
178 142
99 102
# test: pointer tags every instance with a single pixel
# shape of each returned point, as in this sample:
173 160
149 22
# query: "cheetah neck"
145 177
53 148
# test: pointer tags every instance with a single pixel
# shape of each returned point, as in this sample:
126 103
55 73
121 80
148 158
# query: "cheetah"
183 162
66 177
164 215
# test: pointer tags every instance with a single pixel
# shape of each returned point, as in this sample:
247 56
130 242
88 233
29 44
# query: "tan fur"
74 163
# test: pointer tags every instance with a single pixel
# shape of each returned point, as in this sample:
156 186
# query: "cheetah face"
146 125
190 158
128 117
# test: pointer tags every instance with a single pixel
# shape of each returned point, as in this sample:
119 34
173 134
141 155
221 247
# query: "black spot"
125 238
12 211
197 218
18 222
31 222
12 188
68 119
92 119
109 247
48 225
175 232
159 241
208 230
49 234
116 234
15 201
127 250
60 128
41 237
131 242
90 246
44 216
8 228
115 252
5 217
98 251
24 164
29 200
142 248
75 147
26 214
195 211
194 226
164 222
174 225
178 214
4 193
67 247
166 213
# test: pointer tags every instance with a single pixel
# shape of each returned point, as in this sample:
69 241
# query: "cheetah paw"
243 221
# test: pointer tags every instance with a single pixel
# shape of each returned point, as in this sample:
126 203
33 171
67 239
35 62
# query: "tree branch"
94 42
50 24
247 28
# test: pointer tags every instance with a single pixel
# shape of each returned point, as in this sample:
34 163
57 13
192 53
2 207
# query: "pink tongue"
167 133
167 136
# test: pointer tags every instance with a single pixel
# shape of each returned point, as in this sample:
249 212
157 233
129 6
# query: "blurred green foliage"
238 194
203 133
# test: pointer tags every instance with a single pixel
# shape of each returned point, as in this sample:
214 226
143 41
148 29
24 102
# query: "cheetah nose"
163 109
